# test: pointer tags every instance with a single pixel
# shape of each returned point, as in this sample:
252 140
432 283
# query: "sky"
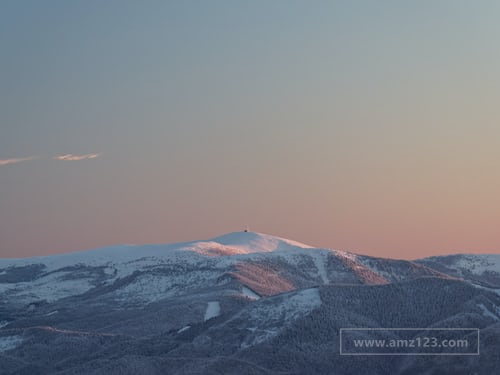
367 126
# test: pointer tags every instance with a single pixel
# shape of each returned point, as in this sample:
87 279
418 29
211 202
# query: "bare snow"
247 292
185 328
252 242
212 248
213 310
319 259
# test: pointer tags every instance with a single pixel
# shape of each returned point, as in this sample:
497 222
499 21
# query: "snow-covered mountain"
225 298
266 264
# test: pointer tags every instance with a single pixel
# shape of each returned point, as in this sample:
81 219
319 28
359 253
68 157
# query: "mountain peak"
250 242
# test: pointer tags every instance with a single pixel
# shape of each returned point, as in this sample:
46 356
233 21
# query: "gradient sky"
369 126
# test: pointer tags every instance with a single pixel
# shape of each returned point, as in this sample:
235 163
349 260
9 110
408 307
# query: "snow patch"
319 259
183 329
247 292
213 310
9 342
306 300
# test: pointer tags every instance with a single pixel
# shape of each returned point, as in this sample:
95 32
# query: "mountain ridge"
243 300
266 264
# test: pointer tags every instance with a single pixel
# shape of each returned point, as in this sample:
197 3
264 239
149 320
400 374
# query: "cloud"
67 157
71 157
15 160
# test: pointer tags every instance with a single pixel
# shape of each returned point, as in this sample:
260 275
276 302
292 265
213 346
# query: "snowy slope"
151 272
479 264
229 244
481 269
264 264
252 242
229 302
54 277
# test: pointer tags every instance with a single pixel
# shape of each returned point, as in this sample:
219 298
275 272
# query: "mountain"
241 303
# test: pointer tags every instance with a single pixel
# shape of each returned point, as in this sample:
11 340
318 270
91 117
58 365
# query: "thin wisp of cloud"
15 160
71 157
